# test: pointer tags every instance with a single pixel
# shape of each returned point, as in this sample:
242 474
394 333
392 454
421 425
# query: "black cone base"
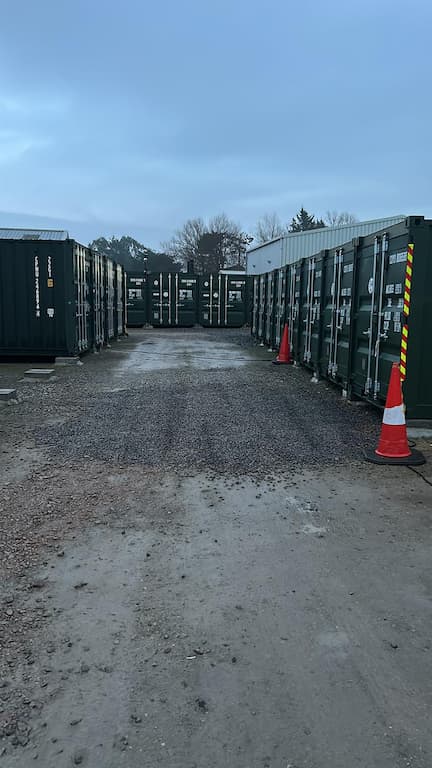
414 460
281 362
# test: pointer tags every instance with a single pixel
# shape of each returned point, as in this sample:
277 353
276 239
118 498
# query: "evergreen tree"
304 221
135 256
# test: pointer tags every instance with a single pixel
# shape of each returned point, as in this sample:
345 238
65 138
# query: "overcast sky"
130 117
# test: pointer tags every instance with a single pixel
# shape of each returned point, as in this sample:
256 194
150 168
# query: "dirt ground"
198 569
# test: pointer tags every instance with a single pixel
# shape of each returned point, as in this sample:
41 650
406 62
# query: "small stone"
78 757
167 650
394 645
234 659
136 718
76 721
84 668
202 704
61 554
80 585
9 612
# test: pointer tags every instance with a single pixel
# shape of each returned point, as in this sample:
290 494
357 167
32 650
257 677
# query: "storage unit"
137 299
270 308
349 310
280 306
56 296
119 300
300 245
255 291
223 300
173 299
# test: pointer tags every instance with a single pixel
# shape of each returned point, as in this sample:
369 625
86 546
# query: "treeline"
211 245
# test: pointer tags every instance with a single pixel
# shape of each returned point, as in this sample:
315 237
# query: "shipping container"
173 299
119 300
223 300
255 304
349 310
56 295
295 246
137 299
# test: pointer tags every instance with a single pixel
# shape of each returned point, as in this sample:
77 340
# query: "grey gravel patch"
252 419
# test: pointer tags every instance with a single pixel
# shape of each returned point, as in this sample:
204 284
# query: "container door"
235 301
98 292
210 311
379 310
185 299
338 287
262 307
311 312
162 303
255 305
269 314
119 300
295 282
109 299
137 299
280 309
82 279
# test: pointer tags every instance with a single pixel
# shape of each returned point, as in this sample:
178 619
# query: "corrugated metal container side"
350 308
56 298
137 299
43 298
299 245
33 234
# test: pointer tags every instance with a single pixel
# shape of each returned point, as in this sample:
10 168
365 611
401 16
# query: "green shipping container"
56 296
137 299
347 313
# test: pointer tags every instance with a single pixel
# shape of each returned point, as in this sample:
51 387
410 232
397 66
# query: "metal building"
299 245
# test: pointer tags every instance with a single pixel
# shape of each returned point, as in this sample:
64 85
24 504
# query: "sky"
131 117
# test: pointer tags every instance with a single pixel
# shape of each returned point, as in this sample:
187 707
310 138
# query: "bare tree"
194 242
183 246
336 219
268 228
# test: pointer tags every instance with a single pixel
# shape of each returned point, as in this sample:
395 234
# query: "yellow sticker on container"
50 282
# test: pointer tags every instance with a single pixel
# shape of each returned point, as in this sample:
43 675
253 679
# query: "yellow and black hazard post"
406 311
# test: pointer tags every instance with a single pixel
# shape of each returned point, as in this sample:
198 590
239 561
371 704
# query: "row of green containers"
58 298
174 299
346 311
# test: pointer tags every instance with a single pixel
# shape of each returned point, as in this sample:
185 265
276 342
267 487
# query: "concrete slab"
68 361
7 394
39 373
416 432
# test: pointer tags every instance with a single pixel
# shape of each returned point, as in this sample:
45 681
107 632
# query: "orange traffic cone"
283 357
393 445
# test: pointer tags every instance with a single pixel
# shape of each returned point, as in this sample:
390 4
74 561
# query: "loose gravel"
254 418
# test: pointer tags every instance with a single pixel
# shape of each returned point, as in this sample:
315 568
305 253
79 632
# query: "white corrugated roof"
33 234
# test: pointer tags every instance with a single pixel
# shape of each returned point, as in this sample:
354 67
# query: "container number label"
50 282
390 288
398 288
398 258
37 285
348 268
50 312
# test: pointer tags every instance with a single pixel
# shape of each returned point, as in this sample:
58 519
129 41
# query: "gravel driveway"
199 570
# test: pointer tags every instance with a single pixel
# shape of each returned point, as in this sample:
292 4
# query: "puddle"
183 353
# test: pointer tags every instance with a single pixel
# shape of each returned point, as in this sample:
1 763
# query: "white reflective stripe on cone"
394 416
